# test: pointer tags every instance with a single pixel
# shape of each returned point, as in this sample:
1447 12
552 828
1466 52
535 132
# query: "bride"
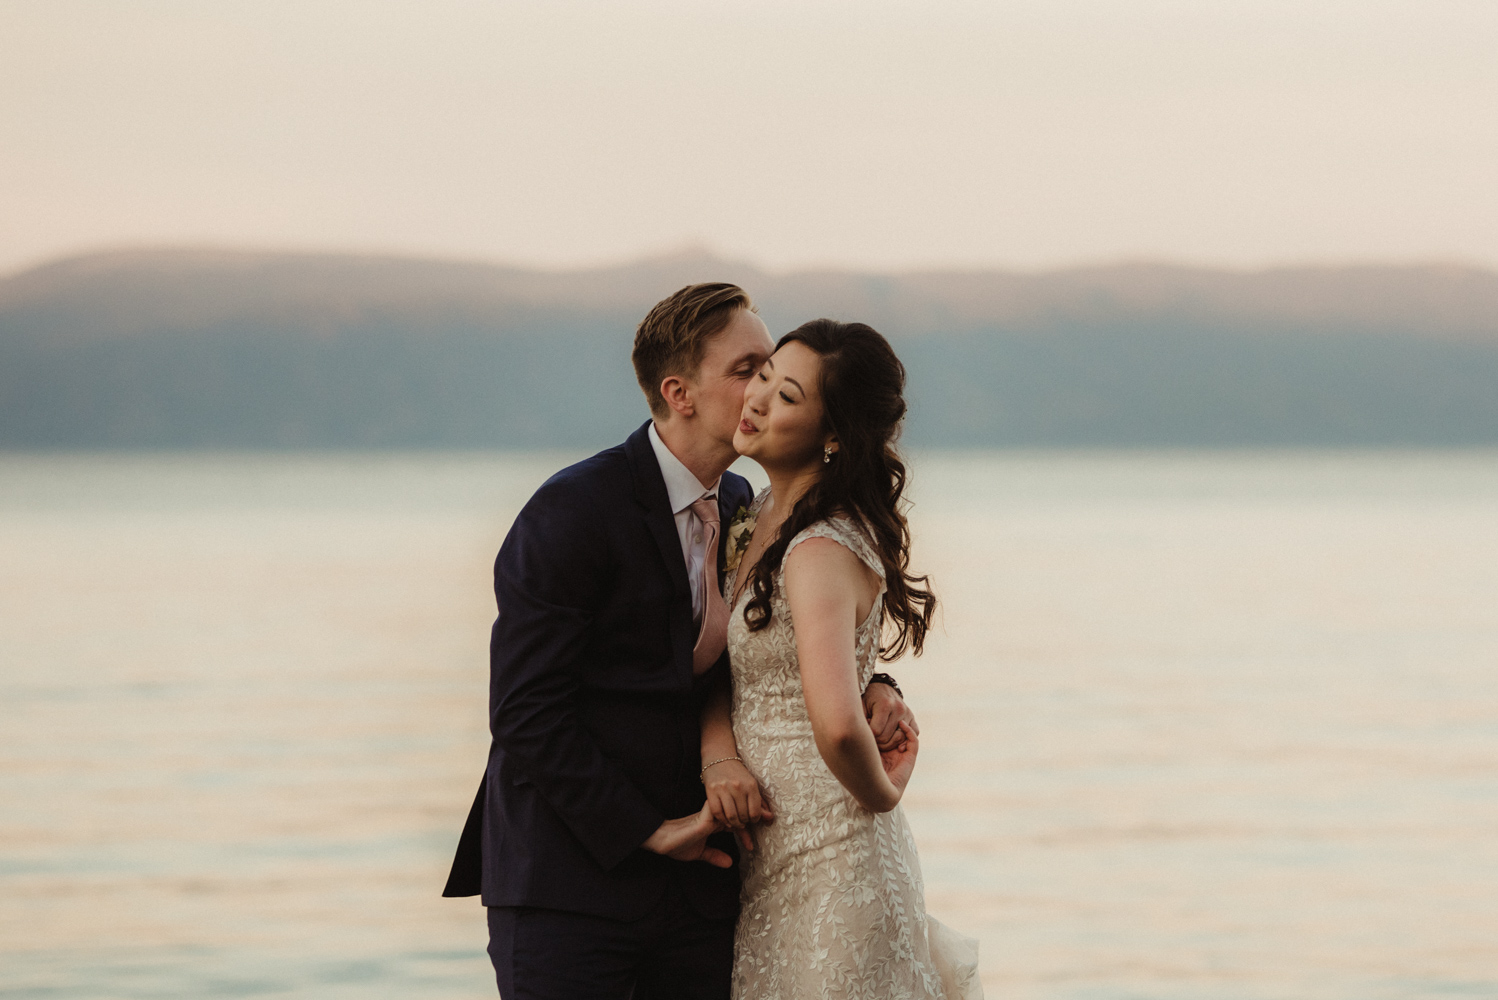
832 899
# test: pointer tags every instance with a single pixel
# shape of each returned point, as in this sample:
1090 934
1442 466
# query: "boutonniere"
740 531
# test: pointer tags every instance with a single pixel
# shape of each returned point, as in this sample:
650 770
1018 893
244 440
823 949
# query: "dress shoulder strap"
847 533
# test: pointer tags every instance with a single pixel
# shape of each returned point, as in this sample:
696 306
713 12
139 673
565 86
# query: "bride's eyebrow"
796 384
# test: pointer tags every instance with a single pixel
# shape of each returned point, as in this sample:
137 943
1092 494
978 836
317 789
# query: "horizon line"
704 251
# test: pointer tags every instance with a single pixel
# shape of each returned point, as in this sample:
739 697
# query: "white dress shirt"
683 489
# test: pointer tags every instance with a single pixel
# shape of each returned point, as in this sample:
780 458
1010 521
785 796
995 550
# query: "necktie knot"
706 510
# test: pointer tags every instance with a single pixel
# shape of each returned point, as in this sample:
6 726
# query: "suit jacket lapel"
728 506
650 494
731 496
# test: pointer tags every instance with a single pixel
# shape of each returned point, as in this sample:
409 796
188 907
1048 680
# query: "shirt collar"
682 487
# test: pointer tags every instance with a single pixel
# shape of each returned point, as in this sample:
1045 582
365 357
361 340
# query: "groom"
603 875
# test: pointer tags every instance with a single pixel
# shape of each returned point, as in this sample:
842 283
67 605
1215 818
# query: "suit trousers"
672 953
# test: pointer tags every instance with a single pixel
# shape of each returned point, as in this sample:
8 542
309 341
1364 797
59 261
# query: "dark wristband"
885 679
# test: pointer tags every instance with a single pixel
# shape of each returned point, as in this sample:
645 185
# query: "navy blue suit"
594 712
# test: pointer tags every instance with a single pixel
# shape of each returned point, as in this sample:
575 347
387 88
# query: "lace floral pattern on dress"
833 904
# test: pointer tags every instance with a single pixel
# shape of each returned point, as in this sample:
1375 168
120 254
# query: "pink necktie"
713 638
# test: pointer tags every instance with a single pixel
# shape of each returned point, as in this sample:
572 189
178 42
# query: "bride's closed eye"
765 378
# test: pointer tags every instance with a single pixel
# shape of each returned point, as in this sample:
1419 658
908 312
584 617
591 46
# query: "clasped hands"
735 800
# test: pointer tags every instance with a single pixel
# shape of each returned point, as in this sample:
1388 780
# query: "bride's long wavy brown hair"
862 387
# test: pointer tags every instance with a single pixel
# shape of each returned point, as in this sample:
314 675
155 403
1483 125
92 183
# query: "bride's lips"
747 427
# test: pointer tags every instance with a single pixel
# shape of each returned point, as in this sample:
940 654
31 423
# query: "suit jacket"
593 706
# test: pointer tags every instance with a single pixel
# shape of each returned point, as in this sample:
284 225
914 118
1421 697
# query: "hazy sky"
866 133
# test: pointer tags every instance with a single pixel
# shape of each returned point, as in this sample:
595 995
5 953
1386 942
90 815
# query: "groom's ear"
677 395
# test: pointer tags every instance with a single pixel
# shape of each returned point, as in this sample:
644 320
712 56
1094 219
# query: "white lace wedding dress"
833 905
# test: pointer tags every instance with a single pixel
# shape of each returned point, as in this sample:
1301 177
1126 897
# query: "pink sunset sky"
865 134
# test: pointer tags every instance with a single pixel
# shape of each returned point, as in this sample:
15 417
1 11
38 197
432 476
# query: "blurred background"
1199 302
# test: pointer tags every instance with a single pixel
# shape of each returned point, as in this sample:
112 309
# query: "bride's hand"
735 800
899 761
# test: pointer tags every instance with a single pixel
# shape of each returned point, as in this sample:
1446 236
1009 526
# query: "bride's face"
781 424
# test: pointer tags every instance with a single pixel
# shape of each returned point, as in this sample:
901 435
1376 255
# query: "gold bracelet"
720 760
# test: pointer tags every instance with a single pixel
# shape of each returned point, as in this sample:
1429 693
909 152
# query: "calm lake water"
1214 726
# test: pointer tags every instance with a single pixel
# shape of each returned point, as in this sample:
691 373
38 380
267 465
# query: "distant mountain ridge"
131 290
226 348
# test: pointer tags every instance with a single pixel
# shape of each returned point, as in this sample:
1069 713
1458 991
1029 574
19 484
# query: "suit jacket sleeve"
547 581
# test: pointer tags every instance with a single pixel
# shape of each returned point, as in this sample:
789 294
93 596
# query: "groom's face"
729 360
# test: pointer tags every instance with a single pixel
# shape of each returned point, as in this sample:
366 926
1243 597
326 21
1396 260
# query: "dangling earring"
827 454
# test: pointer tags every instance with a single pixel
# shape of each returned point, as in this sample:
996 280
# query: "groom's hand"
685 839
885 710
900 762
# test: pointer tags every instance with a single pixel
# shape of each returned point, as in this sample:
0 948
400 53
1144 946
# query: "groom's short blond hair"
671 337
